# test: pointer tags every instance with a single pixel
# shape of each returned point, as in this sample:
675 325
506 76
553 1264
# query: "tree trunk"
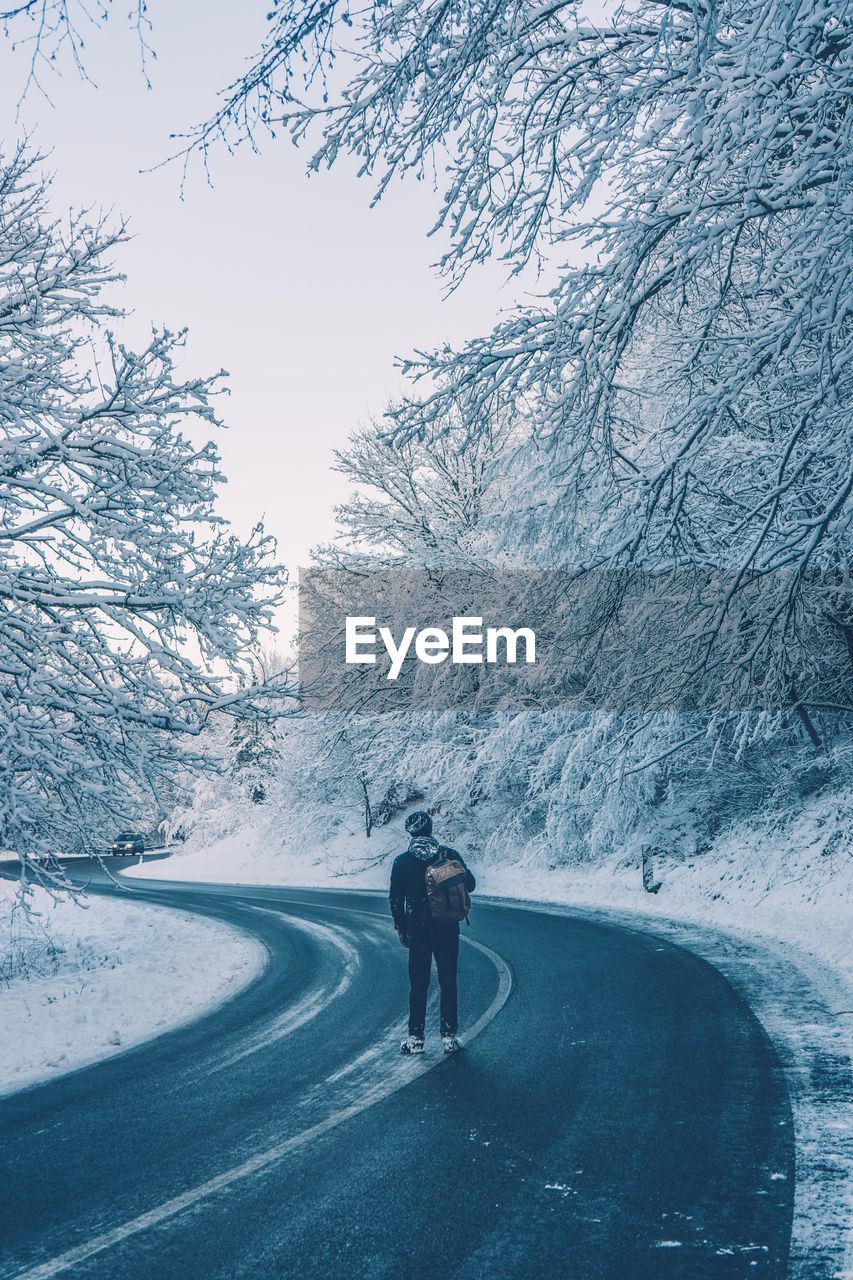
808 723
649 883
368 812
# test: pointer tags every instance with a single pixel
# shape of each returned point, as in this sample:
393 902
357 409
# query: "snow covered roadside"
105 977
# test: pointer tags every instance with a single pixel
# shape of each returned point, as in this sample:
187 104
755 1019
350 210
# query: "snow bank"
96 979
250 856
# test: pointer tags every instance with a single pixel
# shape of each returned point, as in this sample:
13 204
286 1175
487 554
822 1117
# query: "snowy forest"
670 401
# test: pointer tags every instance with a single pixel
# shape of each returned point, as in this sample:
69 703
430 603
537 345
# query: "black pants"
443 943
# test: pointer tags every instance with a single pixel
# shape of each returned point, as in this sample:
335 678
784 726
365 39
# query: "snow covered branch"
128 610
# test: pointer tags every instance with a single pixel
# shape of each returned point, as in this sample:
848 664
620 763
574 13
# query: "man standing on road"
423 933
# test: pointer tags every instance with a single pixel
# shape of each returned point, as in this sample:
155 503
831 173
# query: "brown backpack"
449 899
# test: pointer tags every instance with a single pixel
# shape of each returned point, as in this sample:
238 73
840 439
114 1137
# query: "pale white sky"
292 284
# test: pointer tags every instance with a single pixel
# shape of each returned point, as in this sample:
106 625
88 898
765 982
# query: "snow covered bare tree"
696 160
683 172
128 610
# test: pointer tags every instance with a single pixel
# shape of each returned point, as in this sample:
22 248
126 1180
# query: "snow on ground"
248 856
81 983
769 905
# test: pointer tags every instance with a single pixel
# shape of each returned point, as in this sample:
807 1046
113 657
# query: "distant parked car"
127 844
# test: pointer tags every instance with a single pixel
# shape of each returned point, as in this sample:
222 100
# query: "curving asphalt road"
618 1114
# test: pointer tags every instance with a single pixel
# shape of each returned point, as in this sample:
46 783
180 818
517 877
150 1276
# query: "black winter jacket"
408 895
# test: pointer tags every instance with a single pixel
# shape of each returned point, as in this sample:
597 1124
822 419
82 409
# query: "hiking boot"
450 1044
412 1044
